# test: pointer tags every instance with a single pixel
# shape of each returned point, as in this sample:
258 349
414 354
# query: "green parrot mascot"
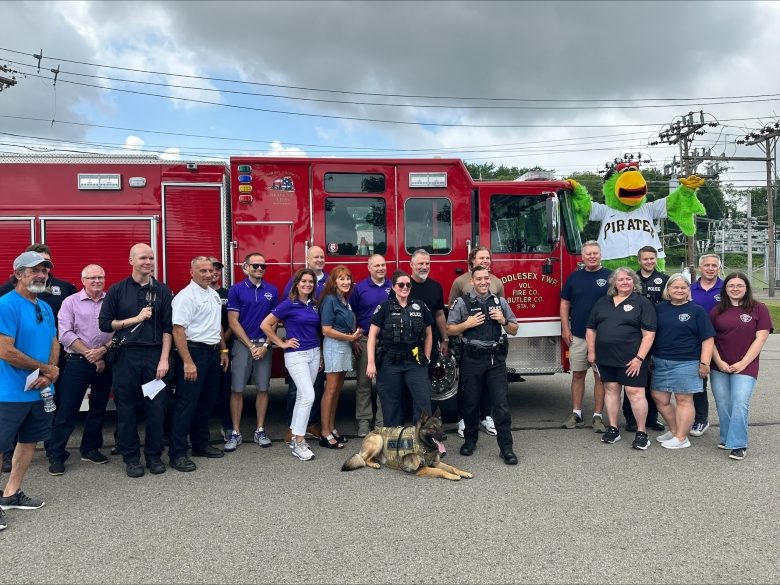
628 220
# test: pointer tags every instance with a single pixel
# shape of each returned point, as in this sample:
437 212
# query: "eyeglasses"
736 286
258 266
94 278
403 284
38 314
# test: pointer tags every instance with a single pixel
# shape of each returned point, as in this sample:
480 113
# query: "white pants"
302 367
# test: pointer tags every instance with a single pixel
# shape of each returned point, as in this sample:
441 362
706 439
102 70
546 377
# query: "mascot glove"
692 182
574 184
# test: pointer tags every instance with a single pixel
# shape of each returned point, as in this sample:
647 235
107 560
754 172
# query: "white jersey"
623 233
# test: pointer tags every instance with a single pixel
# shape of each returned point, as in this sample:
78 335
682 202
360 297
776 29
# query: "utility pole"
682 133
766 140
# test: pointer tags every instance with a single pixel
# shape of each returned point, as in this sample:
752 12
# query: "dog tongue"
442 448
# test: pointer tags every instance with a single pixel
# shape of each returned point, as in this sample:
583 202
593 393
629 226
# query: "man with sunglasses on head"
249 302
138 309
28 345
54 293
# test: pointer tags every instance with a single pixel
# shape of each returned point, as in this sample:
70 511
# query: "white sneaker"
675 443
665 437
461 428
488 426
301 450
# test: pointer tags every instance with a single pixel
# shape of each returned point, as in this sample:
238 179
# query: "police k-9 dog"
416 449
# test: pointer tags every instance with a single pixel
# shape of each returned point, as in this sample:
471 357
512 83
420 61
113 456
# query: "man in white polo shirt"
201 352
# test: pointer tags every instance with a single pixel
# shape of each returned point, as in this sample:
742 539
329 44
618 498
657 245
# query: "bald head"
315 259
142 261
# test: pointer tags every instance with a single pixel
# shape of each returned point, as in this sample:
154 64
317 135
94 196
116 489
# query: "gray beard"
36 288
422 277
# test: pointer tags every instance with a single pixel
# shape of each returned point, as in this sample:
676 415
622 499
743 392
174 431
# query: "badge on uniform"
55 290
628 308
415 306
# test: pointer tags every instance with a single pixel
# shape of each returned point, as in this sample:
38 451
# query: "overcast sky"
513 55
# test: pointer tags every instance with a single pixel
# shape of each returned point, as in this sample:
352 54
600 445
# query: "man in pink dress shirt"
85 367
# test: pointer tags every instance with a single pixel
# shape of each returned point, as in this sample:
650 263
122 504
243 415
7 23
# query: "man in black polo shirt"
138 309
431 293
653 284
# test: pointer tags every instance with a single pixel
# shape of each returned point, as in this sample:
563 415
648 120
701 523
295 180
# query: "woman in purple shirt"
302 356
742 326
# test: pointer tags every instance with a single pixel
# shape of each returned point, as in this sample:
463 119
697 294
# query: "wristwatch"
266 345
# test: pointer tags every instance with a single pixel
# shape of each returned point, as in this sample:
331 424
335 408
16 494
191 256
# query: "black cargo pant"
137 365
485 371
194 400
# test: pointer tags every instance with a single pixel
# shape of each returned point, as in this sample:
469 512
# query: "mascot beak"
631 187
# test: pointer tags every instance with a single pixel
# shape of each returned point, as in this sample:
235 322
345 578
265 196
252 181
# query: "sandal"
326 442
339 438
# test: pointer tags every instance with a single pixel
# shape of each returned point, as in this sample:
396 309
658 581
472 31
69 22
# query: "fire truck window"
354 183
355 226
518 224
428 225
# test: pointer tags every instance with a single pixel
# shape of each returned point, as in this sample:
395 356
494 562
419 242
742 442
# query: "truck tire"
444 389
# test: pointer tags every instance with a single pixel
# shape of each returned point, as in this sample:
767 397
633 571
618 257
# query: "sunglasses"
38 314
403 284
258 266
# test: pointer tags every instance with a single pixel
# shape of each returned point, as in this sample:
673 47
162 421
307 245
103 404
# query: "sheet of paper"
151 389
31 378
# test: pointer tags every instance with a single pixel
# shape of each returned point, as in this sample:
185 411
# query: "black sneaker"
56 468
641 441
611 436
19 501
135 469
95 457
656 425
3 523
738 454
155 465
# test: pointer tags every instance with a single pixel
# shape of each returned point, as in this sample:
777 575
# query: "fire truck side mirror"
553 217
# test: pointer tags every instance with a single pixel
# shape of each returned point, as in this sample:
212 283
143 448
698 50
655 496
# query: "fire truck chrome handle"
460 270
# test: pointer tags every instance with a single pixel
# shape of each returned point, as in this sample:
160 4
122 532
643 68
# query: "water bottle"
48 400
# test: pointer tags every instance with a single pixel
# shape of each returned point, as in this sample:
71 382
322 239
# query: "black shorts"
613 374
28 420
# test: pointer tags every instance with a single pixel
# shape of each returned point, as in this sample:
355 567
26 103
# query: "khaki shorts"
578 355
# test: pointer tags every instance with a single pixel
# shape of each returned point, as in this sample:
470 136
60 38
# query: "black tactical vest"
403 325
490 330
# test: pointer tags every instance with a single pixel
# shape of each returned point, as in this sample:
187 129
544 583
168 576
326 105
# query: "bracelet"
641 359
224 351
702 363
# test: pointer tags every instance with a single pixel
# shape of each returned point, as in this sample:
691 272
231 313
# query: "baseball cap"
30 259
217 263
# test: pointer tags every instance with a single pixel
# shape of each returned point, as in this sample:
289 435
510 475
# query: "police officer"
483 319
404 327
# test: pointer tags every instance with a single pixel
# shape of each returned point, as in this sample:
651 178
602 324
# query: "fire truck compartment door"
78 241
18 233
273 240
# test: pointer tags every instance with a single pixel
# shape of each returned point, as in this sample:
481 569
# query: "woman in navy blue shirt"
302 356
681 359
338 328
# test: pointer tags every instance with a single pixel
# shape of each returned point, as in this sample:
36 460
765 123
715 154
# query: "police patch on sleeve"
377 308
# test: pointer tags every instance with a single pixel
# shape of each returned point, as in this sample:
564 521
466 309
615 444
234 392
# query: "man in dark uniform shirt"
653 284
56 291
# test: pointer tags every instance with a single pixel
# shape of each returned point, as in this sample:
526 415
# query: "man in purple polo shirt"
85 350
249 302
706 293
315 260
367 295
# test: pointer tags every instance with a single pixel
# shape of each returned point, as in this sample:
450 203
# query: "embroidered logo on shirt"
745 318
684 317
716 297
55 290
601 282
268 296
628 308
658 280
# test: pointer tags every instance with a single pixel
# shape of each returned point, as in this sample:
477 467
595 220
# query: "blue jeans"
732 394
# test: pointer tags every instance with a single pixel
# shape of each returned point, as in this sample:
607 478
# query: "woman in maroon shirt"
742 326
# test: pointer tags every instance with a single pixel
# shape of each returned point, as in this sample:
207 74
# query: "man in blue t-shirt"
28 344
581 291
705 292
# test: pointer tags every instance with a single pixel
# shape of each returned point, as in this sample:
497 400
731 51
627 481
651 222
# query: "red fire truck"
93 209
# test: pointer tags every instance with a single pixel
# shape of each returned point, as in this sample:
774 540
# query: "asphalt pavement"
573 511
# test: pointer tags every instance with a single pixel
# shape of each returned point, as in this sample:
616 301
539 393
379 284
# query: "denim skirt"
673 376
337 355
